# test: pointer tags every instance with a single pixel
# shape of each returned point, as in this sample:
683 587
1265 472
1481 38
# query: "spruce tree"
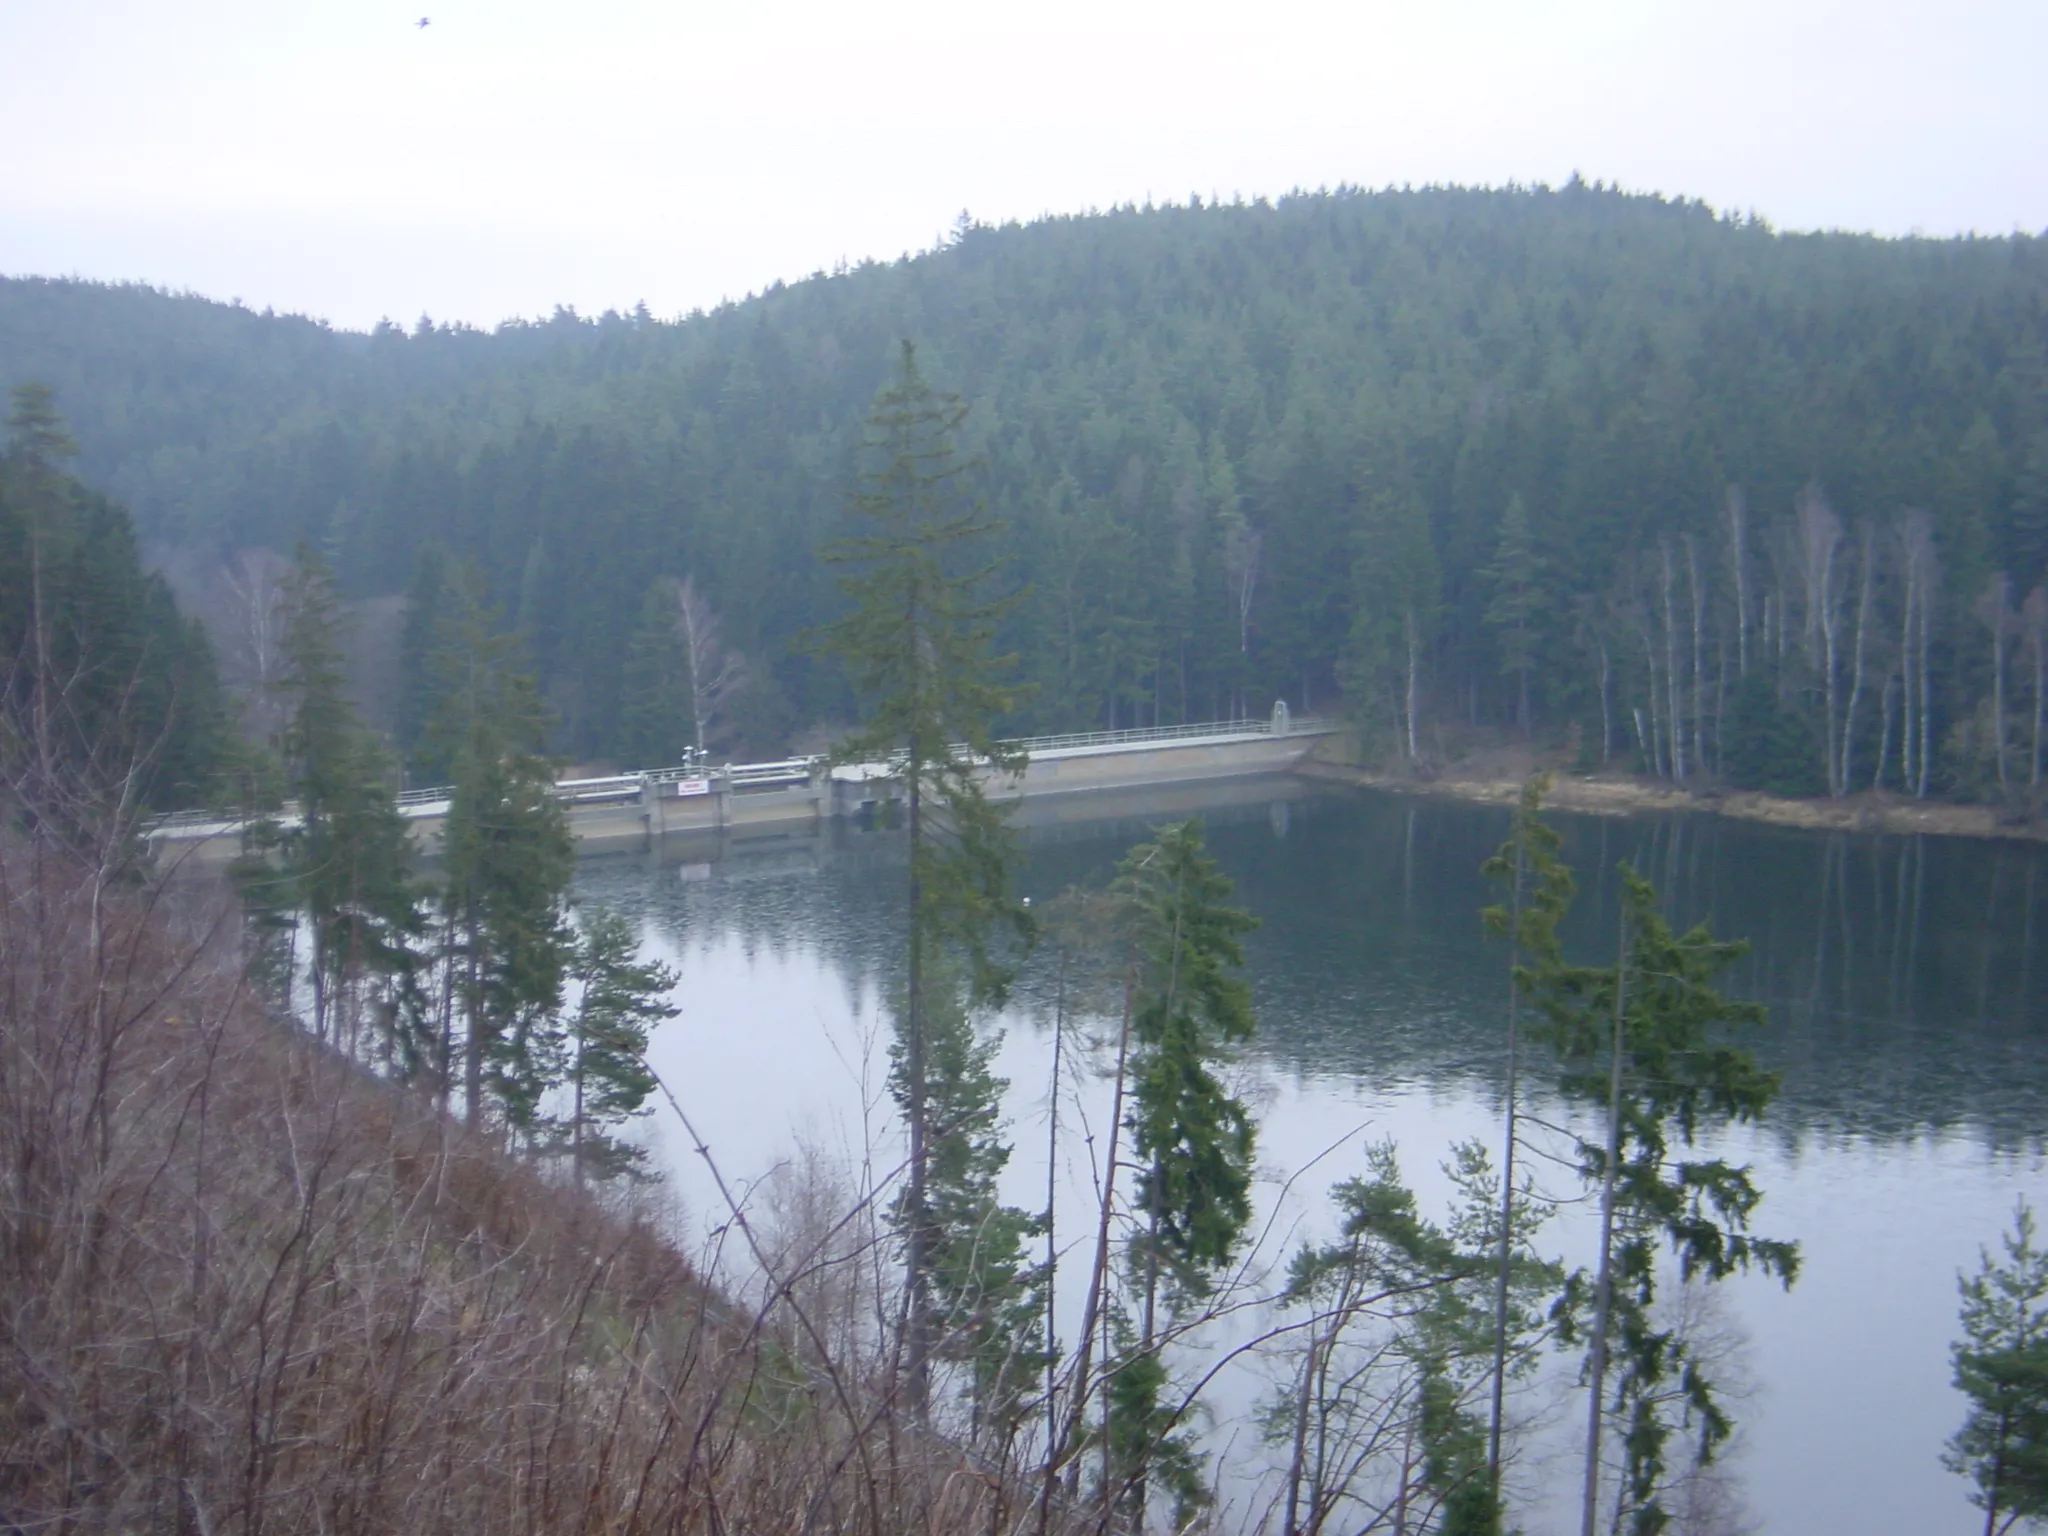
657 720
1395 581
424 602
2001 1366
346 858
507 862
988 1300
109 700
1398 1352
1539 893
620 1001
919 643
1191 1137
1648 1044
1512 610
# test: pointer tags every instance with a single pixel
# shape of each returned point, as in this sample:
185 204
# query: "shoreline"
1629 797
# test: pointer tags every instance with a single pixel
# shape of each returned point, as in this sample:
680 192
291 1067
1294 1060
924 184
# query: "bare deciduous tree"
718 674
1820 542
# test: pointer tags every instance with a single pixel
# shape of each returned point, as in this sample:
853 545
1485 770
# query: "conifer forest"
341 1185
1612 471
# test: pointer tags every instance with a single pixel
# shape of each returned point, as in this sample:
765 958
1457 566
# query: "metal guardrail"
173 819
742 778
1300 725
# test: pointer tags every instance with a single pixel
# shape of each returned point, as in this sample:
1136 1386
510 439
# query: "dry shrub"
246 1287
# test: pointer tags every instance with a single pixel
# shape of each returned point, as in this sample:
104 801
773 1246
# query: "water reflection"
1907 1014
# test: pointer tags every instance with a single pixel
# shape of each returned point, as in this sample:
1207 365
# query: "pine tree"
919 643
2001 1366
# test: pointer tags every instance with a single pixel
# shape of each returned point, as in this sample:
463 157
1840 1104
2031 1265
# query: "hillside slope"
1244 451
253 1288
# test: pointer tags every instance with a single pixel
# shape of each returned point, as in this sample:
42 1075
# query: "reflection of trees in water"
1899 971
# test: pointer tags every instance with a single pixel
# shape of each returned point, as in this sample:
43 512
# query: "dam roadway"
631 810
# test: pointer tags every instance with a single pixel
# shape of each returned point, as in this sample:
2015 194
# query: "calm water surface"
1908 1014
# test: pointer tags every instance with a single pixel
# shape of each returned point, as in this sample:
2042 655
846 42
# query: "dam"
631 810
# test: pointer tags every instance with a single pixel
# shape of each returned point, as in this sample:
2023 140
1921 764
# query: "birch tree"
1736 510
718 673
1866 563
1820 542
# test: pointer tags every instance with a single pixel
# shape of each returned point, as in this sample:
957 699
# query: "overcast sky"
338 159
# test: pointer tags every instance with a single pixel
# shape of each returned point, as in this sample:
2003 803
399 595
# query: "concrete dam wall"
633 810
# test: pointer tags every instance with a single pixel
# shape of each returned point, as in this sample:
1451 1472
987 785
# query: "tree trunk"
1884 739
1606 718
2040 688
1846 778
1298 1458
1906 735
1504 1258
1830 671
1926 752
1414 683
917 1307
1052 1252
1675 707
1738 555
1699 621
1603 1296
1997 599
1092 1310
576 1115
1659 763
473 1057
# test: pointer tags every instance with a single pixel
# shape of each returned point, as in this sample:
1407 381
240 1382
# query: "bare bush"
246 1287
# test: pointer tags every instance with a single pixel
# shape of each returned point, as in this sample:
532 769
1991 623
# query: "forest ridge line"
1463 458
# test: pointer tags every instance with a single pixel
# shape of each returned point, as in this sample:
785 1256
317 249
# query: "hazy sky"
336 158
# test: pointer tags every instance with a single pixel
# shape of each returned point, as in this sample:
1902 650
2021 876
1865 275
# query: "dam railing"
701 778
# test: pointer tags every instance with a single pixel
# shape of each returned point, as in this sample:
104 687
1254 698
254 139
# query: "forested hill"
1464 456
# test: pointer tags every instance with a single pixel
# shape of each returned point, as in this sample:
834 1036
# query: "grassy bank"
1496 778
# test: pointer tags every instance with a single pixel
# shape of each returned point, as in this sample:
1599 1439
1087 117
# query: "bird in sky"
424 21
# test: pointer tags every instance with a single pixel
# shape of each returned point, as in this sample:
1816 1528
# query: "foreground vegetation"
254 1289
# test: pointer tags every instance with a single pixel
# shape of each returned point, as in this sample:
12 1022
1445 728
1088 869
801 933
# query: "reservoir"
1908 1016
